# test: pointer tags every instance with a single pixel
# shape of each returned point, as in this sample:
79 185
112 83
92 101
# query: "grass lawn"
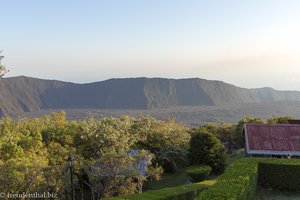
270 194
179 178
169 180
187 191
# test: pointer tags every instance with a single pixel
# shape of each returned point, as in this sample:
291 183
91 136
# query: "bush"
241 178
172 159
279 176
218 158
238 182
206 149
198 172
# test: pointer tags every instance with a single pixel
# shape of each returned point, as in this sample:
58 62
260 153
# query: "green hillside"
24 94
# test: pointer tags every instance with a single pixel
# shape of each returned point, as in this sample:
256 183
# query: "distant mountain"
25 94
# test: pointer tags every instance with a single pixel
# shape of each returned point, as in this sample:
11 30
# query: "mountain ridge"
26 94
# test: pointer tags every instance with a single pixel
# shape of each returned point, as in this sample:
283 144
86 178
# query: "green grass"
198 172
179 178
270 194
172 186
188 191
169 180
235 156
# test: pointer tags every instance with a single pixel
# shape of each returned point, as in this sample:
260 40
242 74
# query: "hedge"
237 183
198 172
185 192
281 177
241 178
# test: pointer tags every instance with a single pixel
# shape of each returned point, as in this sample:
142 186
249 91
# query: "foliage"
239 136
198 172
106 135
172 158
238 182
169 180
185 192
232 135
279 120
206 149
279 176
241 178
263 194
116 174
33 152
158 134
105 178
235 155
27 164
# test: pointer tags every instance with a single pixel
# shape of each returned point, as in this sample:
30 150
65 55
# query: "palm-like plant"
3 70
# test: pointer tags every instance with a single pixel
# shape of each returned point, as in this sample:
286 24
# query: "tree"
106 135
119 173
280 119
172 158
239 137
157 134
3 69
206 149
22 157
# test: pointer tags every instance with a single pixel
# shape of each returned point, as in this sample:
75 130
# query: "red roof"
280 139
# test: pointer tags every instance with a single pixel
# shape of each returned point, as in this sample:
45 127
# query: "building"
138 167
272 140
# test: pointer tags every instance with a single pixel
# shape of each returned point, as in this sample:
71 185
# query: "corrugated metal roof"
279 139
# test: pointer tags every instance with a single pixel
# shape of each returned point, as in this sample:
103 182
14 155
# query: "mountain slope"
24 94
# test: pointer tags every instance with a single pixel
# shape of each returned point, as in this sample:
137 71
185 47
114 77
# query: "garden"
135 158
246 178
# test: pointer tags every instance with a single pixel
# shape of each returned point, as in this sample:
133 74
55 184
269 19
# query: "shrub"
279 176
238 182
218 158
172 158
206 149
241 178
158 134
198 172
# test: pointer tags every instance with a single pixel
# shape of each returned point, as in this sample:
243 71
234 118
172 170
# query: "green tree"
116 174
226 135
156 134
33 154
172 158
58 129
206 149
22 157
106 135
211 128
280 119
28 163
239 137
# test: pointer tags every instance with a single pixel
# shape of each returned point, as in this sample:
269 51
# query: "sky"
248 43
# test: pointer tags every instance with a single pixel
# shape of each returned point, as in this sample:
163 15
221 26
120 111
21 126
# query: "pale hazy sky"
249 43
